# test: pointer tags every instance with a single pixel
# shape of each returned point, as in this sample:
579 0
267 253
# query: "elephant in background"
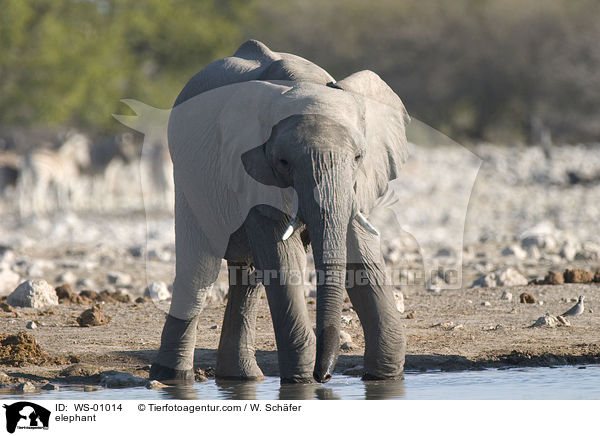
271 155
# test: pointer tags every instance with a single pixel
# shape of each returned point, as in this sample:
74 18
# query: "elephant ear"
385 132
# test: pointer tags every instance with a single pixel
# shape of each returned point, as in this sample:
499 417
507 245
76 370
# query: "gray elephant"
271 155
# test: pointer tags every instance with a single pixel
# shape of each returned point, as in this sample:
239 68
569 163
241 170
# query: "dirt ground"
450 331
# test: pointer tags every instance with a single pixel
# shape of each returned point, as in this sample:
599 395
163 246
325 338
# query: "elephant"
273 157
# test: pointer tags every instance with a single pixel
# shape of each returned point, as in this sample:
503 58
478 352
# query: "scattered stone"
79 370
33 293
67 277
214 327
545 321
4 378
411 315
92 295
64 293
50 387
31 325
21 349
117 379
578 276
554 278
85 284
122 296
563 321
106 296
568 251
347 319
347 346
155 384
540 236
5 307
136 251
118 278
345 337
26 387
142 300
93 317
506 296
157 291
526 297
515 251
201 375
486 304
399 298
7 255
597 277
357 370
8 280
448 326
503 277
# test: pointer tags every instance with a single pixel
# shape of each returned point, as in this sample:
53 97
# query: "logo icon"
26 415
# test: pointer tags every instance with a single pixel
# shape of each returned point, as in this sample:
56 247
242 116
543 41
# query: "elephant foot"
175 360
367 376
238 369
171 376
298 379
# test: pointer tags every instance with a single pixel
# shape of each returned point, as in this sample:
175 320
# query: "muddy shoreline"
446 331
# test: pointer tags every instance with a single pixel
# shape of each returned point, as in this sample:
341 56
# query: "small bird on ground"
577 309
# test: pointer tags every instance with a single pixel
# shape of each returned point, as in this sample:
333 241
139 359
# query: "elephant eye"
284 163
358 157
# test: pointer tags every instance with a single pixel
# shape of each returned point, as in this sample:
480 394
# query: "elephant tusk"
365 223
290 229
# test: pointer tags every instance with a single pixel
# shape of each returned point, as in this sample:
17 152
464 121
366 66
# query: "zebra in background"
49 178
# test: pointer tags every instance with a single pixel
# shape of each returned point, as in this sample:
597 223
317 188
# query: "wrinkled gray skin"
318 158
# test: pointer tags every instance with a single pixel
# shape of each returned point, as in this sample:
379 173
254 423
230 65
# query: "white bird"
577 309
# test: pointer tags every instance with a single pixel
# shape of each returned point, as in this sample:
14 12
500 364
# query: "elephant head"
338 152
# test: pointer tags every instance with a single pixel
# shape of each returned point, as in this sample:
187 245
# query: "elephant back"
253 60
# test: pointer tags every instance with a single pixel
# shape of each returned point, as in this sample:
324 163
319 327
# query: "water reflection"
181 392
237 390
384 389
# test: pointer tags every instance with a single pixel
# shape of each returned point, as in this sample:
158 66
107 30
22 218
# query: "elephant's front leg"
281 264
195 272
235 356
373 300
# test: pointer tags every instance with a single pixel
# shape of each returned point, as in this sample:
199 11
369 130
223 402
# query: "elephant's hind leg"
235 356
372 298
196 271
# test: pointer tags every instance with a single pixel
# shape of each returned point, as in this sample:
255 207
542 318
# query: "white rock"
33 293
486 304
118 278
8 281
506 296
26 387
31 325
155 384
345 337
7 256
546 321
399 298
68 277
157 291
568 251
117 379
510 277
515 251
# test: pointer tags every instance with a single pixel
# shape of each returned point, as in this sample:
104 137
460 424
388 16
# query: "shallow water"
560 383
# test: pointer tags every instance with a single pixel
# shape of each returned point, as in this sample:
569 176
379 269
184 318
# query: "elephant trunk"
327 211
